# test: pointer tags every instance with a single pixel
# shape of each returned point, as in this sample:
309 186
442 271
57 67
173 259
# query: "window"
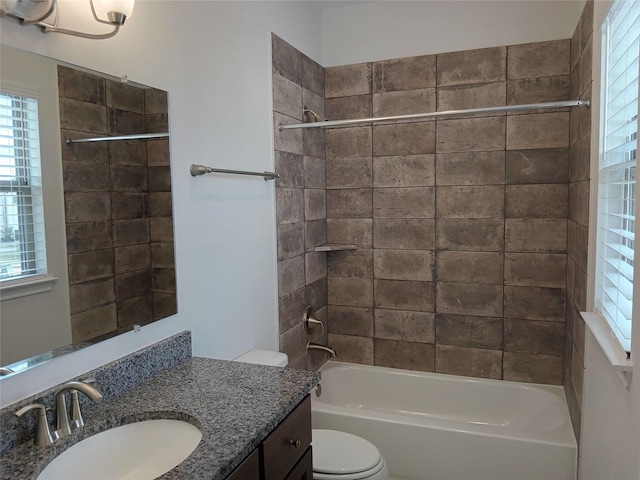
617 169
22 241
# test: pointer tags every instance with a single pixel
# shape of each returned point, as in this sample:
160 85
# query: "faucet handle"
76 421
310 321
44 437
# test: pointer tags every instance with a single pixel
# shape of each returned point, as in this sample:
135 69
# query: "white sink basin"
142 450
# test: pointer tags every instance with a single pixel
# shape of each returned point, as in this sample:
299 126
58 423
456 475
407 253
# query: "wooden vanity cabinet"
249 469
303 469
288 442
286 453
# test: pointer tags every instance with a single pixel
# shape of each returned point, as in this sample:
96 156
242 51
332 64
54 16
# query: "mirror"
107 212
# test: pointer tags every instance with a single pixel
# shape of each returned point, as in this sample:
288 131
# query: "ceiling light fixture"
36 12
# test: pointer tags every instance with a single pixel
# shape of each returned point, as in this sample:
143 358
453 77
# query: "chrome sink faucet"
64 426
43 437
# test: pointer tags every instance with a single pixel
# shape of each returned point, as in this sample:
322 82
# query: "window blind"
617 169
22 239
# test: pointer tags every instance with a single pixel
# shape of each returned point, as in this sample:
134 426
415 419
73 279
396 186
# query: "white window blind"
22 240
617 169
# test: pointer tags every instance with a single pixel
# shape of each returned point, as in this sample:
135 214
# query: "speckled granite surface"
111 379
236 405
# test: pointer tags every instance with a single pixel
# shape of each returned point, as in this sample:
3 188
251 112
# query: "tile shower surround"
117 206
578 222
461 223
301 202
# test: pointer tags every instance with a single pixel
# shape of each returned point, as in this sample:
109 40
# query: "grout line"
435 225
504 215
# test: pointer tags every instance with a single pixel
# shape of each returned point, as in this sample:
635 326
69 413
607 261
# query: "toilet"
336 455
264 357
343 456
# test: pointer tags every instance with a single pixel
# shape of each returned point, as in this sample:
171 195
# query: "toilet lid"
340 453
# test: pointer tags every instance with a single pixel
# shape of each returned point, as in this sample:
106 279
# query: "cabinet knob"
294 443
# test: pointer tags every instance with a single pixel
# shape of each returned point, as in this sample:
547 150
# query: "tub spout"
314 346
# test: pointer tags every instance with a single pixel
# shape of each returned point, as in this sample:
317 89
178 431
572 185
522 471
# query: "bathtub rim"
563 436
555 389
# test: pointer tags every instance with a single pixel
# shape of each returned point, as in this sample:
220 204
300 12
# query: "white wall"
610 446
213 59
368 31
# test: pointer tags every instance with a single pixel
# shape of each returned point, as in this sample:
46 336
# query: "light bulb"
103 9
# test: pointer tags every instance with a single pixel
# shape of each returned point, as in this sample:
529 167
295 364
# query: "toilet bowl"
343 456
264 357
336 455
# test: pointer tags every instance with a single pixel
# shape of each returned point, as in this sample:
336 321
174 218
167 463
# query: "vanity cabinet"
286 453
249 469
303 469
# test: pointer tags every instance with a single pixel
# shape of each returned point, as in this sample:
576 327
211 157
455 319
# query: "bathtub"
431 426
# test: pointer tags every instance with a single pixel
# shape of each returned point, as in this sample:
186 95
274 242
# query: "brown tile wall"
578 222
461 223
468 242
118 206
300 201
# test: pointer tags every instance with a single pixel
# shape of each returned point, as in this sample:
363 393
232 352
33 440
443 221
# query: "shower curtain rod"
447 113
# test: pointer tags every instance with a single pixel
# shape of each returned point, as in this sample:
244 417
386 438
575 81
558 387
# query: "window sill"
26 288
610 346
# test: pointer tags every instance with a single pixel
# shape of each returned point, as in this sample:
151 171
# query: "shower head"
310 116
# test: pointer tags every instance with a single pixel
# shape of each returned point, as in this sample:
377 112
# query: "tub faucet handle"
310 321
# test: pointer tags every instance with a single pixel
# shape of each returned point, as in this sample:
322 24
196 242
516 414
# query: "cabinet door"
288 442
249 469
303 469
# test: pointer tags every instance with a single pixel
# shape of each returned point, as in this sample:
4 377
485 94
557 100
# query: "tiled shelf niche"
334 247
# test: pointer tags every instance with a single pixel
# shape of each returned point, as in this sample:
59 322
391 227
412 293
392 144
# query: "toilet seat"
343 456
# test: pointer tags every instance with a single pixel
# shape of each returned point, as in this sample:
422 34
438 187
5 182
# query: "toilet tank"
264 357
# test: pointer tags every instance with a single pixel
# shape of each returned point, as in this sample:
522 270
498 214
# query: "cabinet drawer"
288 442
304 469
249 469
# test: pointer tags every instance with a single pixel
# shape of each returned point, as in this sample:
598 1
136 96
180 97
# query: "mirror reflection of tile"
118 207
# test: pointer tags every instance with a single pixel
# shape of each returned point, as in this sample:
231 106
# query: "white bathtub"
431 426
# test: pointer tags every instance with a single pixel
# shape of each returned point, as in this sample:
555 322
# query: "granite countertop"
236 405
